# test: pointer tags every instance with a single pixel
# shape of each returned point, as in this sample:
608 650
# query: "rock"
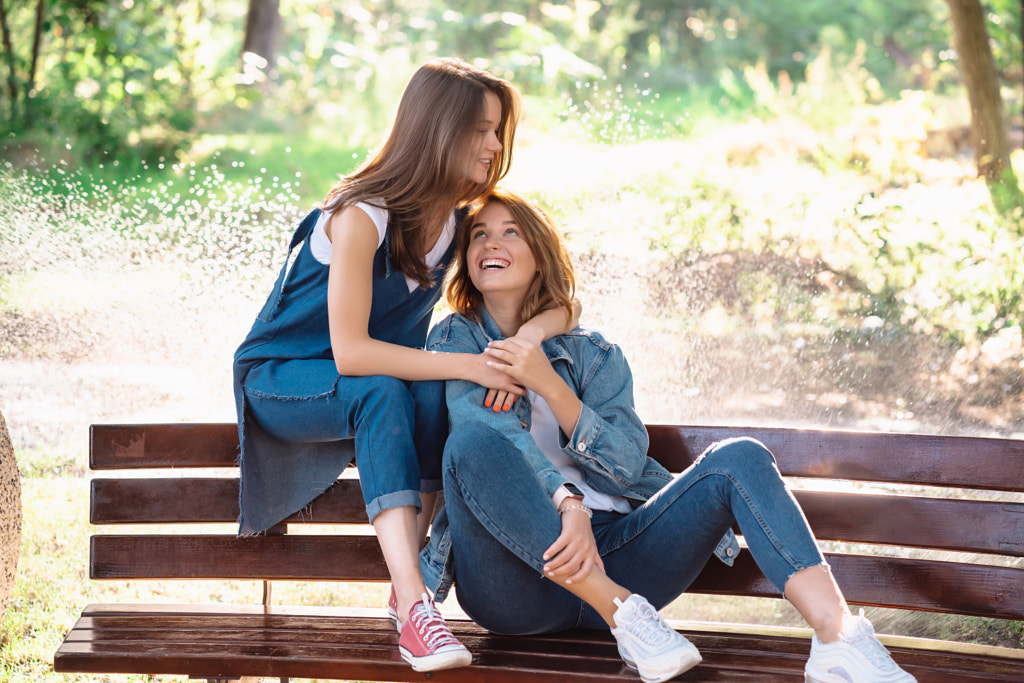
10 516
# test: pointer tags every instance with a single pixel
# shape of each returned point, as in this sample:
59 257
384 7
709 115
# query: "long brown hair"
417 173
553 286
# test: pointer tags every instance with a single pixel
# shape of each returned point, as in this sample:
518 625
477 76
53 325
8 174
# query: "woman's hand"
485 372
523 361
574 553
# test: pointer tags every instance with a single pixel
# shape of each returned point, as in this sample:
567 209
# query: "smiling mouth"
493 264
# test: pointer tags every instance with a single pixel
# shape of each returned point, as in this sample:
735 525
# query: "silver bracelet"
581 507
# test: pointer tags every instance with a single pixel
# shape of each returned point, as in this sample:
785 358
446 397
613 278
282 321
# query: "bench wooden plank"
158 500
922 459
912 521
304 557
869 580
121 447
879 581
359 646
926 460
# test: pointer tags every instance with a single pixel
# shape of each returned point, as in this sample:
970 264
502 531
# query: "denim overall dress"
300 422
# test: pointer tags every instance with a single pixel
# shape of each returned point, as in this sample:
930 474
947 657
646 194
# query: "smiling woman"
561 487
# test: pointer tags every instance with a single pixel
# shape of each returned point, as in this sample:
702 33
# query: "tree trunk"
30 89
978 69
12 78
262 28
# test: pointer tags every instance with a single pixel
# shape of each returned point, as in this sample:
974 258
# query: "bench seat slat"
870 580
912 521
142 642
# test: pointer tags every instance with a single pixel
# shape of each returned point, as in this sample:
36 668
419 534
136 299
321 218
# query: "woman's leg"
501 522
431 431
661 547
379 412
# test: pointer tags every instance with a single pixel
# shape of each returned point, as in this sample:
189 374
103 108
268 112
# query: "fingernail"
506 408
488 403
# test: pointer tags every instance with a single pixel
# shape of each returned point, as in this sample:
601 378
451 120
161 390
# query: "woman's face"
483 141
498 258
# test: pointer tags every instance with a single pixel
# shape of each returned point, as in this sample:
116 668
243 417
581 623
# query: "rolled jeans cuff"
393 500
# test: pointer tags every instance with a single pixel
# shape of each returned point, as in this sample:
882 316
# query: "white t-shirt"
544 430
320 245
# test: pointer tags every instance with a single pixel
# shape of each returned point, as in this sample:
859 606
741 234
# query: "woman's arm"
605 436
349 297
544 325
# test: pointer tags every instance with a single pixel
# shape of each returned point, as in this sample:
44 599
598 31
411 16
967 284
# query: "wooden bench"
227 642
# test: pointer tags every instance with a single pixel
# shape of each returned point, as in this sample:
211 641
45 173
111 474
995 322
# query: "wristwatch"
574 490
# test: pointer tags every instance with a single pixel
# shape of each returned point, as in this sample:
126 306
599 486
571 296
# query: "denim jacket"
608 444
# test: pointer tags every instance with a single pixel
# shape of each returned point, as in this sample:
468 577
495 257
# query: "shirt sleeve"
465 402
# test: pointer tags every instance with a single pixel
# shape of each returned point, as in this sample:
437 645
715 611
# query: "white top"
320 245
544 430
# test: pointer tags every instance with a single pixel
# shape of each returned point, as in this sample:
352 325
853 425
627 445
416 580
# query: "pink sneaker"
427 643
393 610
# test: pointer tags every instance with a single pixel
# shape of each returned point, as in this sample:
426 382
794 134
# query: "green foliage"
136 79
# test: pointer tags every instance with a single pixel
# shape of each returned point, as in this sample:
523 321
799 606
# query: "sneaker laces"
867 644
431 625
648 626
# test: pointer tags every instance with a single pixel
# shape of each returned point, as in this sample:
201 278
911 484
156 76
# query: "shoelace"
648 626
869 646
431 626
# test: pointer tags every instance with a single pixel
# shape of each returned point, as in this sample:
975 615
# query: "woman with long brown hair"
333 367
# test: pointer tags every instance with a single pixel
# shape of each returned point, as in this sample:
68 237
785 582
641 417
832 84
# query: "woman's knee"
471 442
382 393
741 454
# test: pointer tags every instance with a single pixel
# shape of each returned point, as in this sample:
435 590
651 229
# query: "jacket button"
582 446
729 552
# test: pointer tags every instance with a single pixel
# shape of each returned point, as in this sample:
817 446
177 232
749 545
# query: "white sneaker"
857 657
648 644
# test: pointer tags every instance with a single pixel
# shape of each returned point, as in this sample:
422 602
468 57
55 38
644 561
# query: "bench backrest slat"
996 464
159 500
939 523
301 556
871 580
925 460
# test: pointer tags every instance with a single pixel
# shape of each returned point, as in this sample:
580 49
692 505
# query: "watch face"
574 489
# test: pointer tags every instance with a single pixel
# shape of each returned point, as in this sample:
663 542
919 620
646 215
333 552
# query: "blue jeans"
501 523
399 427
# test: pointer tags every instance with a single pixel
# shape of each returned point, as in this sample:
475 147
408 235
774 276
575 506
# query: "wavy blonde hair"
418 172
554 285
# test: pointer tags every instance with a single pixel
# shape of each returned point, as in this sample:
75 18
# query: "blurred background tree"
128 79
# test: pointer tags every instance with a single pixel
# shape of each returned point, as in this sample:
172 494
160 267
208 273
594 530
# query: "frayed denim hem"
824 565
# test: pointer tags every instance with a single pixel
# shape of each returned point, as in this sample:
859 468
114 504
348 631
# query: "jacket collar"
554 348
